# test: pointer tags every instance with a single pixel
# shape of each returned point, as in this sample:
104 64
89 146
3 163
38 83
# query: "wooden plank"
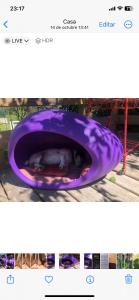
15 189
18 191
54 196
86 194
126 189
125 182
133 162
3 197
131 170
114 193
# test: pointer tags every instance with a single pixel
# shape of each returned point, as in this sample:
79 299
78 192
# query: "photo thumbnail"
69 261
111 261
98 261
35 261
6 261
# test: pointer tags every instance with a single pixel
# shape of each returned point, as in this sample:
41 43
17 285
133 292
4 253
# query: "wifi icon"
120 7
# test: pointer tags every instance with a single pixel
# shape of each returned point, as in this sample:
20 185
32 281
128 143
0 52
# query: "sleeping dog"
62 157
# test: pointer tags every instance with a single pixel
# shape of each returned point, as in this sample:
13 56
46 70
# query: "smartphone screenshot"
69 150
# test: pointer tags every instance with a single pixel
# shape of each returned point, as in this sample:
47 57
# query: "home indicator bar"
69 296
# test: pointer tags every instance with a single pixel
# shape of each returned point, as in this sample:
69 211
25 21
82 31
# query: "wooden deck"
113 188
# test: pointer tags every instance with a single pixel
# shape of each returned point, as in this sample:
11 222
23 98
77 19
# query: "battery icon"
129 8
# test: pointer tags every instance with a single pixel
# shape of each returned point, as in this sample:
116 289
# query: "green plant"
112 179
120 172
20 112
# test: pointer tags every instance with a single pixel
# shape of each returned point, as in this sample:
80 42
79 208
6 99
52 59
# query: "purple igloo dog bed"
98 148
68 261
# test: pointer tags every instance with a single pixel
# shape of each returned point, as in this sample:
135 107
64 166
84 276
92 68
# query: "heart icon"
48 279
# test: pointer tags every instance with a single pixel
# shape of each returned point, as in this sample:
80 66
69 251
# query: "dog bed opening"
49 169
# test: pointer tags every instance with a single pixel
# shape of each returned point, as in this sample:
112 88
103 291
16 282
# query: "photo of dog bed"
54 149
6 261
69 261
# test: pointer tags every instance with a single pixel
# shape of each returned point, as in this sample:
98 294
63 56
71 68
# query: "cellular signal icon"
120 7
112 8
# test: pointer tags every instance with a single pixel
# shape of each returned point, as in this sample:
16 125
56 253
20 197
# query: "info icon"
90 279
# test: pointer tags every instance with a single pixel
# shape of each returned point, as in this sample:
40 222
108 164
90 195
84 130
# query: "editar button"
107 24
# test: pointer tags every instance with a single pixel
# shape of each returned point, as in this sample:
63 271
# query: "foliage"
136 263
20 112
112 179
120 172
71 108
